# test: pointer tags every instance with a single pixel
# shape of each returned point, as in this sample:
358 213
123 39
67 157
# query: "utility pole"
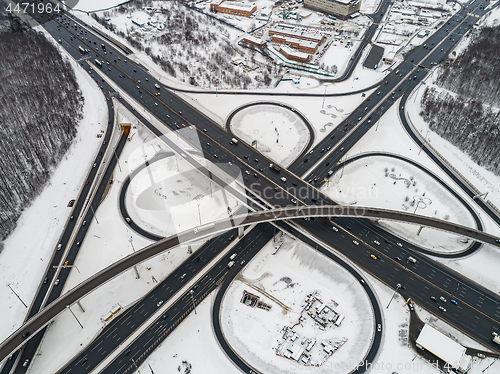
21 300
69 308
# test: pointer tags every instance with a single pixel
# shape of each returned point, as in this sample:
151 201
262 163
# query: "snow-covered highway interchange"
177 123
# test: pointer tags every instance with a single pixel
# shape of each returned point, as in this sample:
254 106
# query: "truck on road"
272 166
230 264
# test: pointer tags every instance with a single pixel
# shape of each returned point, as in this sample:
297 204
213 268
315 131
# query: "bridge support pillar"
241 231
419 230
137 276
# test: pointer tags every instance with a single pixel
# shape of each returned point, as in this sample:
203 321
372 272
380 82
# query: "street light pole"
136 366
21 300
137 276
394 294
192 297
69 308
94 213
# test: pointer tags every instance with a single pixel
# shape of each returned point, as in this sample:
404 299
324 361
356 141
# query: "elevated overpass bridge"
41 319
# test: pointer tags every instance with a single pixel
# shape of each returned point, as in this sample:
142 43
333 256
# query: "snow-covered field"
283 281
388 183
280 133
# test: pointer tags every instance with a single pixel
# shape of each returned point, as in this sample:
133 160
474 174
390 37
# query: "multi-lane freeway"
137 83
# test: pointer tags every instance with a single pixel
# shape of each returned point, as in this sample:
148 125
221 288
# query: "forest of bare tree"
466 111
40 106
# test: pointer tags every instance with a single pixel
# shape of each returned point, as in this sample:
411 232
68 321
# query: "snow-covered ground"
323 114
29 248
283 281
389 183
280 133
95 5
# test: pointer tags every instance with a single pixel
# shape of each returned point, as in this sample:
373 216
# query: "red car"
180 112
86 182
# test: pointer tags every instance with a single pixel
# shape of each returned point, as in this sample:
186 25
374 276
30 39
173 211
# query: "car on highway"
127 352
196 259
26 363
433 298
399 244
215 156
335 229
355 242
180 112
165 316
397 258
376 242
293 201
26 334
159 303
379 327
442 309
183 276
442 299
453 301
374 257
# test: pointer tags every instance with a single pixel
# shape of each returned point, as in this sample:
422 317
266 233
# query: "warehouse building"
235 8
340 8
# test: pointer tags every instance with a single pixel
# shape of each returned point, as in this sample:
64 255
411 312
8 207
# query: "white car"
159 303
442 299
355 242
442 309
379 327
399 244
376 242
335 229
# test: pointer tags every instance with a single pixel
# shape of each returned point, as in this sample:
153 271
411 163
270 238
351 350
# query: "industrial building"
340 8
291 54
235 8
444 348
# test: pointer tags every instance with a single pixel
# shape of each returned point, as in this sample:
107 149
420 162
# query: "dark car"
26 334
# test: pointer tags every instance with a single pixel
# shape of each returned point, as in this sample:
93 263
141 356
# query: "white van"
232 256
411 259
234 140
